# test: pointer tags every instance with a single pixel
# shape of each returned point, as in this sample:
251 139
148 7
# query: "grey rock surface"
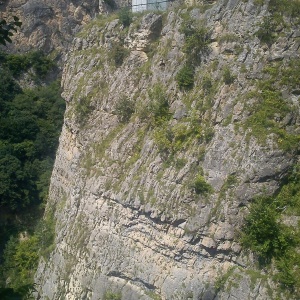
128 217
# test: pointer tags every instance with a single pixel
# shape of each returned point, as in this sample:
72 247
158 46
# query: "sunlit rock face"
48 25
147 203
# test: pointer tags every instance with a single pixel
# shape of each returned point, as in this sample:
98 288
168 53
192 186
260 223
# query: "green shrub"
82 109
227 76
171 139
163 137
185 77
201 186
262 120
286 7
45 233
208 134
289 268
36 60
263 232
266 32
20 261
159 104
124 109
118 53
125 16
196 41
207 84
112 296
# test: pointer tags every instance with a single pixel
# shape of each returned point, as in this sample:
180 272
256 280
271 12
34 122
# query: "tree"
6 29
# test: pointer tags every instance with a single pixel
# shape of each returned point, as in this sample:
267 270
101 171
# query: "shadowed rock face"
49 25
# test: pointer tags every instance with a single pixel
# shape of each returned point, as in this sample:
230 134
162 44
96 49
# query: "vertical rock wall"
148 208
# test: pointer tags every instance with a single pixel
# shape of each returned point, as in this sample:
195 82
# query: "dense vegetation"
30 123
269 232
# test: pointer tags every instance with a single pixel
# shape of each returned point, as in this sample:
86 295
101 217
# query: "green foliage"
171 139
196 41
278 8
125 16
7 28
195 47
266 32
207 84
289 268
263 233
290 74
266 235
185 77
223 279
163 137
125 108
45 234
21 258
118 53
286 7
82 109
270 108
112 296
19 63
227 76
30 124
158 107
10 294
289 195
200 186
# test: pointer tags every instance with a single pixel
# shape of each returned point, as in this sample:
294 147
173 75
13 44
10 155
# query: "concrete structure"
141 5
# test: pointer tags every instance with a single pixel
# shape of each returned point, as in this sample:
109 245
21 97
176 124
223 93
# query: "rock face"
48 25
148 205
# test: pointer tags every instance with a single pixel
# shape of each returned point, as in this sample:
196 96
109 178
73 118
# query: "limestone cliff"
152 181
48 25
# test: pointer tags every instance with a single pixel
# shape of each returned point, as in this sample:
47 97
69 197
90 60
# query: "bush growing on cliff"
196 45
201 186
265 234
266 32
124 109
196 40
289 7
185 77
125 16
227 76
118 53
159 104
82 109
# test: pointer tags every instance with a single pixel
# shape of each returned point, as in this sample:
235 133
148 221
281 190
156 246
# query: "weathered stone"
208 243
129 214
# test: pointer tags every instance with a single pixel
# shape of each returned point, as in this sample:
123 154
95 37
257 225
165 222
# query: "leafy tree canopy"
7 29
